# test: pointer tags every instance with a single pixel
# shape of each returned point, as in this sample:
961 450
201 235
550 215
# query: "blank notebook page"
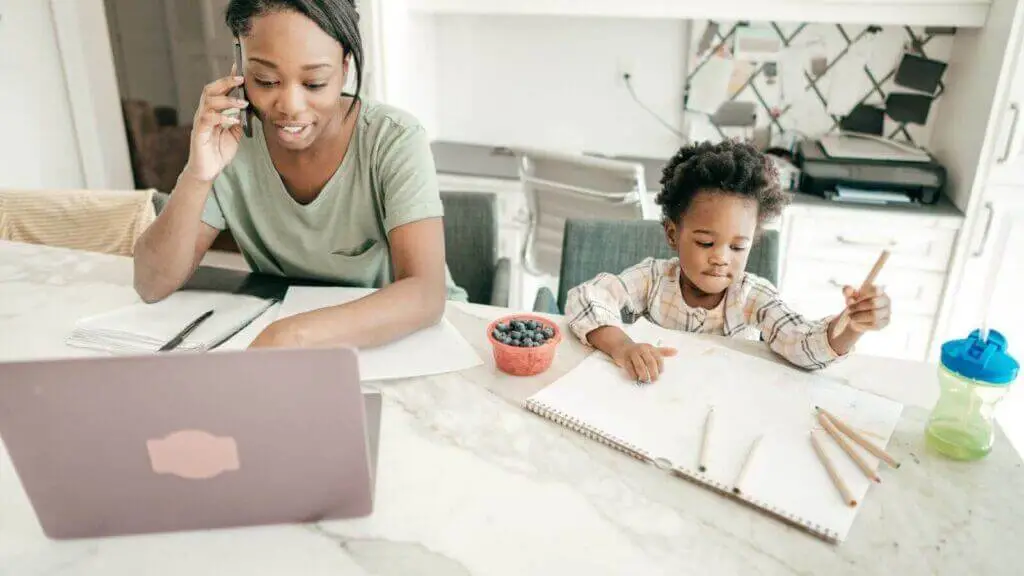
752 397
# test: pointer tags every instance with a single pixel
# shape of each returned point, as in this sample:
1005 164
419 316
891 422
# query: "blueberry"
528 341
519 326
502 327
540 338
516 334
497 334
549 333
516 342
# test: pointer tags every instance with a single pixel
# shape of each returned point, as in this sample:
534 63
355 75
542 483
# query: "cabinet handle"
882 244
984 234
1009 139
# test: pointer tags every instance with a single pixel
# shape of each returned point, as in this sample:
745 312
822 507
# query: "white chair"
559 186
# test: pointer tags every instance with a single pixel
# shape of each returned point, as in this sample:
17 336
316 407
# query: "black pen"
177 340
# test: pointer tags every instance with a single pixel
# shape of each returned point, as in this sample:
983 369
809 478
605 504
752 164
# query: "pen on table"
180 337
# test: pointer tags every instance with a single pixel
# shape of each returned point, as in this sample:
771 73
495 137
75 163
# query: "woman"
329 186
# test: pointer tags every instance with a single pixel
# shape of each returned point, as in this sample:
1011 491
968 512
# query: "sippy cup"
975 374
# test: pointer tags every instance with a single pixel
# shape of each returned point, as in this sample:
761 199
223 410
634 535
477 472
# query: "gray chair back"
595 246
561 186
471 241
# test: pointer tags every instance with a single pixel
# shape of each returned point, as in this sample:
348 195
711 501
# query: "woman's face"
294 76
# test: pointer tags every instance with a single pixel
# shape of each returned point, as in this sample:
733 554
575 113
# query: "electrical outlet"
624 69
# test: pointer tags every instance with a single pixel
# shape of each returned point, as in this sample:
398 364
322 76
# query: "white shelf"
961 13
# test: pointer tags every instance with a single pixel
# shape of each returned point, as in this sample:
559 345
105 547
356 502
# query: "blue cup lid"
985 361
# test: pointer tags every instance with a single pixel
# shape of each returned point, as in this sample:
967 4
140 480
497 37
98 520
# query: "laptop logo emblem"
193 454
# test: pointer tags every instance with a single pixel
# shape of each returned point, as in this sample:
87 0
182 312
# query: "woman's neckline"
342 168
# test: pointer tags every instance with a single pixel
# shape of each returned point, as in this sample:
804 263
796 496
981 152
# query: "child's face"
713 239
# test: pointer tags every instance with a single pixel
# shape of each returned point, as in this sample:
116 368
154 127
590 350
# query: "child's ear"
671 233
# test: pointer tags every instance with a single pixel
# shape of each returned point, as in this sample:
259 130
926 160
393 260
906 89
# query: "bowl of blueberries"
523 344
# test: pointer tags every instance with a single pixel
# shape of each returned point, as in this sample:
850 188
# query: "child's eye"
739 248
316 86
705 244
264 83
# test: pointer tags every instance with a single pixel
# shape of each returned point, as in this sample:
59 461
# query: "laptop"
191 441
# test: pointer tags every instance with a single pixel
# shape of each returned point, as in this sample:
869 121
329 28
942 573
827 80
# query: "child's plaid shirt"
651 289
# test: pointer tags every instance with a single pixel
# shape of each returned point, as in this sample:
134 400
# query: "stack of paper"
434 350
146 327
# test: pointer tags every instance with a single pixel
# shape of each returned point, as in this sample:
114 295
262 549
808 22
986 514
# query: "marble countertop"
471 483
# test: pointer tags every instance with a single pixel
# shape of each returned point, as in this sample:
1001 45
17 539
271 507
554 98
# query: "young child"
714 199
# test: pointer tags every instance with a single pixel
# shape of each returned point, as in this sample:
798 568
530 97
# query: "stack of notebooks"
141 327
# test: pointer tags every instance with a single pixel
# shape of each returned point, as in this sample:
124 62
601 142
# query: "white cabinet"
1008 164
825 249
994 271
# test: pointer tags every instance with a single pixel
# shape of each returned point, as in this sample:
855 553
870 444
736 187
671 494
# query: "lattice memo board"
803 78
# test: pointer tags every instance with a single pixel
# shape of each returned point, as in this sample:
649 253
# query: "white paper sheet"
752 397
435 350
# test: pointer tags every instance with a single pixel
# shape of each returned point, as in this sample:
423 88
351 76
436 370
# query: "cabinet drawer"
859 241
817 285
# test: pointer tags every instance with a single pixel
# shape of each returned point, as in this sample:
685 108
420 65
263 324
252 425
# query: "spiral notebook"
663 423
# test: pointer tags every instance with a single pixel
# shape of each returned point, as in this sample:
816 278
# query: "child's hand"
869 310
643 361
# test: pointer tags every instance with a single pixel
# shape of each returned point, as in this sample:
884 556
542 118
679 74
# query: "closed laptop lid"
182 441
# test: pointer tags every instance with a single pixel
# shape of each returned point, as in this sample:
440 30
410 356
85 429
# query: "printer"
870 169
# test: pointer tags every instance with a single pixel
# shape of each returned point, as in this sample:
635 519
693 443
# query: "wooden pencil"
844 317
847 447
827 462
859 439
736 487
708 423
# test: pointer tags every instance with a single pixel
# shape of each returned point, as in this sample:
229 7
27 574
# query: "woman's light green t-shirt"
387 179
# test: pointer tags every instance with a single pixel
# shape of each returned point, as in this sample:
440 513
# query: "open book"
145 327
663 423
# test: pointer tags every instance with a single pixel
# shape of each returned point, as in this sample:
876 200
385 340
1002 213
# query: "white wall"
38 147
557 82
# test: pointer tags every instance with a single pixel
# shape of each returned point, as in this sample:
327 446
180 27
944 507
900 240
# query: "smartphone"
246 115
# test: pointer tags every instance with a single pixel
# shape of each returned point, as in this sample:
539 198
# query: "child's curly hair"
729 167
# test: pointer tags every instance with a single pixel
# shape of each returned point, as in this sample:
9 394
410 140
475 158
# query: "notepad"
145 327
434 350
663 423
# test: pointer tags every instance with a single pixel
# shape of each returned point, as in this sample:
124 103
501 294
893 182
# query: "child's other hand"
869 310
643 361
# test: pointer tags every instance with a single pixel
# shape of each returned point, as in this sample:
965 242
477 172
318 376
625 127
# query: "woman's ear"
344 72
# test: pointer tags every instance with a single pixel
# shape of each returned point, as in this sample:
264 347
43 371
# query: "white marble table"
470 483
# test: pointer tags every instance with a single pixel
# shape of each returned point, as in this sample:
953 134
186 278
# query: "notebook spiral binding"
611 441
587 431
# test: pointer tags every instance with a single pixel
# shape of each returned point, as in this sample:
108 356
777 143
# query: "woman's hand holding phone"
216 129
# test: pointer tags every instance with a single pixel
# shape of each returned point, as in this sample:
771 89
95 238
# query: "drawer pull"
882 244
